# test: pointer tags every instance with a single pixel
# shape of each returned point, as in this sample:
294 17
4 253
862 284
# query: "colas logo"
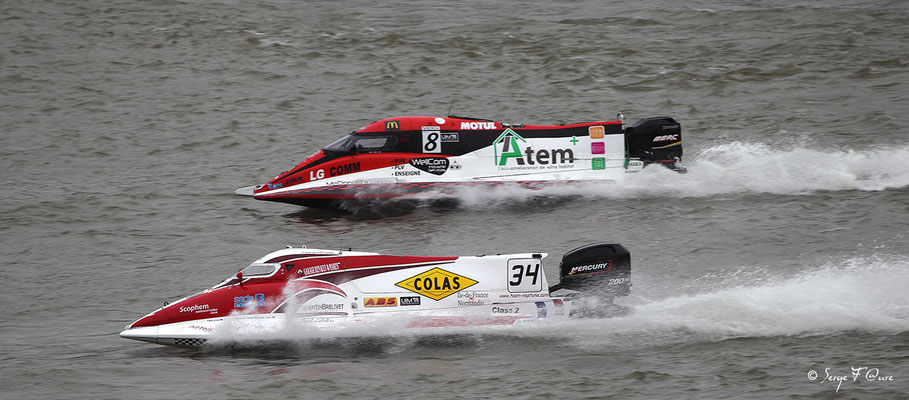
508 141
436 283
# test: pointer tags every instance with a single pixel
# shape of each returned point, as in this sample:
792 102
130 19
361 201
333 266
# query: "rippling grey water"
127 124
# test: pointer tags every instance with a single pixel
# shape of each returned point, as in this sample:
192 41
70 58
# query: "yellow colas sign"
437 283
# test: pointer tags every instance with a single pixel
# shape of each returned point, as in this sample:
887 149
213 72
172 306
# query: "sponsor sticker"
344 169
318 269
664 138
591 268
598 148
596 132
201 328
451 137
599 163
322 307
257 300
410 300
360 181
522 295
472 298
433 165
380 302
478 125
541 309
199 309
319 320
392 125
506 148
436 283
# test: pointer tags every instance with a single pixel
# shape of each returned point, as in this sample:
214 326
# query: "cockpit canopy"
254 270
259 269
362 144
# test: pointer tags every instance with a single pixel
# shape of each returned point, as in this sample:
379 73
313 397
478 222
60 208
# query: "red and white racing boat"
327 289
402 156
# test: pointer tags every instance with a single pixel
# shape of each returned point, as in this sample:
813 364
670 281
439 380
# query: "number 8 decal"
431 142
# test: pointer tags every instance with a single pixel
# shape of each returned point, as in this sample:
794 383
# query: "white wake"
730 169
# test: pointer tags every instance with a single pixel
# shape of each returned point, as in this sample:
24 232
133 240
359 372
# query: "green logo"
508 138
599 163
574 140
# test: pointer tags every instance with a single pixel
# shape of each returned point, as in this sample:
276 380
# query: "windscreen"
343 144
377 143
258 270
363 144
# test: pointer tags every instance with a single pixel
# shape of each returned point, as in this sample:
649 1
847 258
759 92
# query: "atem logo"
527 155
478 125
436 283
392 125
380 302
664 138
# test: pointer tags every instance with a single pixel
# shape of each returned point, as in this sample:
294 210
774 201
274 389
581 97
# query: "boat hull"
407 156
256 328
300 293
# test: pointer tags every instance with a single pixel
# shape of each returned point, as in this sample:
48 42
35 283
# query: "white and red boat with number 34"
403 156
327 289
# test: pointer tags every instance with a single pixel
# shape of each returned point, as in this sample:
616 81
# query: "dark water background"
125 126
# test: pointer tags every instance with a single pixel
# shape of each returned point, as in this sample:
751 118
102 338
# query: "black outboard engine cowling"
656 140
601 270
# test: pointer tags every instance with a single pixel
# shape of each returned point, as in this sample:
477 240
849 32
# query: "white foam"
729 169
759 168
861 294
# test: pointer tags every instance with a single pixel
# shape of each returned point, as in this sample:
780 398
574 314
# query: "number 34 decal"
525 275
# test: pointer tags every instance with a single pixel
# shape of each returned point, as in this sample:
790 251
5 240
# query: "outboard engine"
599 270
656 140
